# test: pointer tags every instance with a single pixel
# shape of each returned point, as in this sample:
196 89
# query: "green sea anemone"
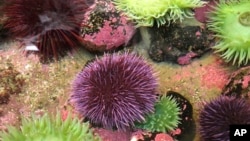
230 20
146 12
48 129
166 116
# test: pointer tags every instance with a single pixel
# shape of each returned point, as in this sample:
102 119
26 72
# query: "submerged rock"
105 29
179 44
238 84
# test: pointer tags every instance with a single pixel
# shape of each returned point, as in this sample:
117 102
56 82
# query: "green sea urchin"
230 20
48 129
146 12
166 116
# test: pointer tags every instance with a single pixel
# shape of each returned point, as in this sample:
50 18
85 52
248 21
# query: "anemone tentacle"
148 12
230 20
49 128
166 116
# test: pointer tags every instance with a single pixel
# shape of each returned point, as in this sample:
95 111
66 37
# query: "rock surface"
238 84
179 44
105 29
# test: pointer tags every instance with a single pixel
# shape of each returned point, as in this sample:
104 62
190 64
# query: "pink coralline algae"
246 81
201 12
163 137
238 84
213 76
105 29
186 59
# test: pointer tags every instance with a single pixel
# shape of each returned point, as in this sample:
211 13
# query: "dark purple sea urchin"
115 91
217 115
52 25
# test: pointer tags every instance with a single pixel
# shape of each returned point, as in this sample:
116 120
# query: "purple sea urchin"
146 12
217 115
52 25
230 20
115 91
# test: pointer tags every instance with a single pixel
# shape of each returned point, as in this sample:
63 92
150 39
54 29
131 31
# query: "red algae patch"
207 75
163 137
246 82
214 75
185 73
105 29
238 84
176 132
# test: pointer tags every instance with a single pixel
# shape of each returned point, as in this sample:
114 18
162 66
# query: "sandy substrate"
199 82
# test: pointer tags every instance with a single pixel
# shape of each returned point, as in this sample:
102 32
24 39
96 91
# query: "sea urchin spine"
115 91
52 25
217 115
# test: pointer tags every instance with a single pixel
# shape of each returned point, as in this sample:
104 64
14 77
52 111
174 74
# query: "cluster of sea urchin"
51 25
46 128
166 116
230 20
217 115
115 91
147 12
